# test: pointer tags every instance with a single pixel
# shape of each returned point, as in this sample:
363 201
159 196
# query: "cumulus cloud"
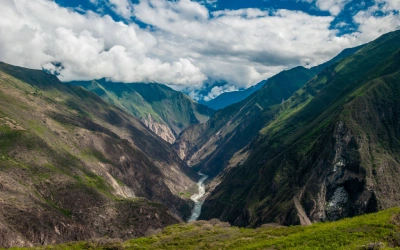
244 46
38 33
121 7
379 19
333 6
217 90
184 44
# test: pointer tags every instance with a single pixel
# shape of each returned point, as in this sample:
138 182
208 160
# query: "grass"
185 194
381 228
90 152
165 105
97 182
298 140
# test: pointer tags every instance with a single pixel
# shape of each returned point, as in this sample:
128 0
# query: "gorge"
198 203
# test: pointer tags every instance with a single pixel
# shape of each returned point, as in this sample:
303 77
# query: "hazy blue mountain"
229 98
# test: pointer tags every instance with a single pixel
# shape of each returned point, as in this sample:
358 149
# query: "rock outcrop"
159 129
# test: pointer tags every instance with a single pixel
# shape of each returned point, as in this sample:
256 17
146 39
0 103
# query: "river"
198 203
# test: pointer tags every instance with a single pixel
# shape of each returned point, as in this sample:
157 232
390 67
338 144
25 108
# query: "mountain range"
88 160
165 111
306 147
211 145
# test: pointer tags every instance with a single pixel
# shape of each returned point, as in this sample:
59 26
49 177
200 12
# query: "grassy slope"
212 145
296 151
382 228
165 105
69 158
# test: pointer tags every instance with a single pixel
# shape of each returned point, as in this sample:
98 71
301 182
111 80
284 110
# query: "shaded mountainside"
212 145
165 111
328 152
73 167
372 231
229 98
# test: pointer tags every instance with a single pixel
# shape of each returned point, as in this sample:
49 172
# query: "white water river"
196 198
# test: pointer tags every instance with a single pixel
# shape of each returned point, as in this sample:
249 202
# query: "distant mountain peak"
165 111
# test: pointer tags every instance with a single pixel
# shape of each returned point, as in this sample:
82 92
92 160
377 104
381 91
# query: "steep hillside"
164 110
328 152
74 167
213 144
229 98
373 231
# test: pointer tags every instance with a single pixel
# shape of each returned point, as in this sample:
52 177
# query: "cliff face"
73 167
330 151
159 129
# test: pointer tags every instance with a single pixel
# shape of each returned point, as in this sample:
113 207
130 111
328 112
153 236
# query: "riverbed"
197 198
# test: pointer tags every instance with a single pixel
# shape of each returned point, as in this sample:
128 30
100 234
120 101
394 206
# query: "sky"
189 45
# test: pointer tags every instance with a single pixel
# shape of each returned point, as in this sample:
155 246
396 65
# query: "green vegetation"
186 195
237 125
332 134
166 106
381 229
90 152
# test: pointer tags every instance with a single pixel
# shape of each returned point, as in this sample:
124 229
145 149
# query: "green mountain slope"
330 151
164 110
373 231
73 167
212 145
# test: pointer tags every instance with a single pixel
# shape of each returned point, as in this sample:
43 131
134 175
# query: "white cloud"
185 43
372 25
333 6
216 91
390 5
121 7
244 46
35 33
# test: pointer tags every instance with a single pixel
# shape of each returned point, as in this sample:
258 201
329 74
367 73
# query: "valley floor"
373 231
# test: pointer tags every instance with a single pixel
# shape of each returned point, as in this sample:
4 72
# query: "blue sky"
186 44
349 10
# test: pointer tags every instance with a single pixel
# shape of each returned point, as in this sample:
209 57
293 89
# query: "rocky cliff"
159 129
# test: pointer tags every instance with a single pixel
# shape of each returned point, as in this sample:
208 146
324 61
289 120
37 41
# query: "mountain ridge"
201 145
164 110
74 167
312 149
